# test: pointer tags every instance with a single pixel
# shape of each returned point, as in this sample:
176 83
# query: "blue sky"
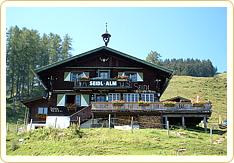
173 32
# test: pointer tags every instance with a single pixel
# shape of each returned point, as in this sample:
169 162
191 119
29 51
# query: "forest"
27 50
184 67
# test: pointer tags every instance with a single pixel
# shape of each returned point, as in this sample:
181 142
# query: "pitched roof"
25 101
98 49
178 98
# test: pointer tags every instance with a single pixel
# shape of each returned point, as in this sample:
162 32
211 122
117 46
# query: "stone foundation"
143 121
150 121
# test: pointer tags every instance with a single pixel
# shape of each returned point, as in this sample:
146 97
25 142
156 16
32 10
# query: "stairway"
84 114
86 124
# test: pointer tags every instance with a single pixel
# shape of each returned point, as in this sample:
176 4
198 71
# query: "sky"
174 32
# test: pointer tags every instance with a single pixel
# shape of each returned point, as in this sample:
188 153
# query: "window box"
41 117
118 102
198 104
169 103
84 78
143 103
122 78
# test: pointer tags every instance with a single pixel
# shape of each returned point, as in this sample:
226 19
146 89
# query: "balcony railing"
111 83
155 106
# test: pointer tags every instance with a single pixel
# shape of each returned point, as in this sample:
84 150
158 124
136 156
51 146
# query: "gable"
95 58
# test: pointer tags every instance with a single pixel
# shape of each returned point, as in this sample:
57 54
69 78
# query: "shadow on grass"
202 130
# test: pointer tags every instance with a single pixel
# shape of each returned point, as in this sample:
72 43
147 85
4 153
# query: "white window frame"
131 97
113 96
148 97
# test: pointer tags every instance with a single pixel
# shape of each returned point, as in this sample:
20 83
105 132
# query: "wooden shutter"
61 99
67 76
139 76
84 100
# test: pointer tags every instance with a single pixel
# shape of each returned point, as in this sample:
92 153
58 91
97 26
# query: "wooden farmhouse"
103 82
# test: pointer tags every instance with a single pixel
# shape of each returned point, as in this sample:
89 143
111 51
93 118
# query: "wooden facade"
91 84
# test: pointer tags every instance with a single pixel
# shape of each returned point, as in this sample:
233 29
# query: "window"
147 97
100 98
131 97
77 75
42 110
132 76
104 74
113 96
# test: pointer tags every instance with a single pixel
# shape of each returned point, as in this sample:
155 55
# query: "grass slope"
101 141
208 88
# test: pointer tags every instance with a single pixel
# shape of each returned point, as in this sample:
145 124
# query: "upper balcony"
100 83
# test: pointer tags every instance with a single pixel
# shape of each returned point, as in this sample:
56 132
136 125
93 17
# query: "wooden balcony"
93 83
155 106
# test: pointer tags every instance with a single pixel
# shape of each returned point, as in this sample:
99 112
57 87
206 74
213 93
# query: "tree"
66 47
154 57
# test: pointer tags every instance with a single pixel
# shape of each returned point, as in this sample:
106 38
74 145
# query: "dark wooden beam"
124 68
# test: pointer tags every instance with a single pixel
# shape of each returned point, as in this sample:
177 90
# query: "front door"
100 98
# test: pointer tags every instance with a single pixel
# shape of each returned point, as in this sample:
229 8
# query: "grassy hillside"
208 88
101 141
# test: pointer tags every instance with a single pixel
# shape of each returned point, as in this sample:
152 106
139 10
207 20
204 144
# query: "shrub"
76 131
14 145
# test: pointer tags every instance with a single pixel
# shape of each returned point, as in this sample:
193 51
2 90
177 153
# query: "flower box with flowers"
41 116
118 102
169 103
122 78
198 104
143 103
84 78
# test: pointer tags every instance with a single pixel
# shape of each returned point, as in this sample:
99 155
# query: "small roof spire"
106 37
106 28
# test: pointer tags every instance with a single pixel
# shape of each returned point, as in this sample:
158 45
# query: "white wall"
61 121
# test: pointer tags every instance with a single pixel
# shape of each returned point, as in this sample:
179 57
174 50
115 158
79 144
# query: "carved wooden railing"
154 106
